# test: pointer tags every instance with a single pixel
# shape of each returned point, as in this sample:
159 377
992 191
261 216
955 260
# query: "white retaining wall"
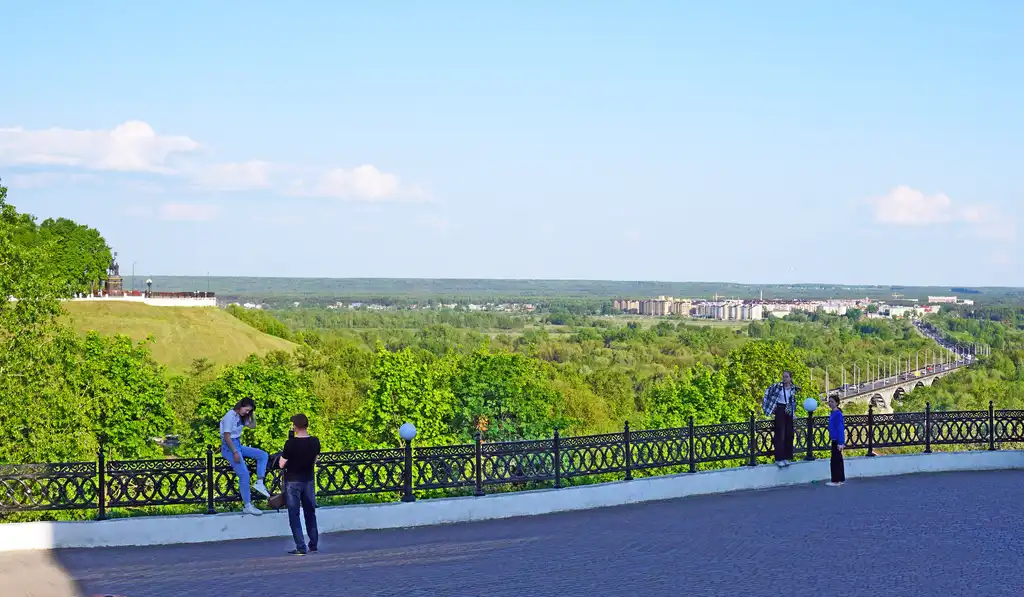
156 301
199 528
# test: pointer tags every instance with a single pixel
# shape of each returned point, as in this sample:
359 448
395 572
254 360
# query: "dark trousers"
302 494
838 469
783 434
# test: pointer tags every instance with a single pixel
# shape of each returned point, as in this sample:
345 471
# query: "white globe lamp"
810 405
407 432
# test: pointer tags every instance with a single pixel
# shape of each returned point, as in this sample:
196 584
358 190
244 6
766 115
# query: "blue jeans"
302 493
242 470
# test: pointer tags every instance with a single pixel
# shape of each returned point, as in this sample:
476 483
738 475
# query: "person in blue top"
837 433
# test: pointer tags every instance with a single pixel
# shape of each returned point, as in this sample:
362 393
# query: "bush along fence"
481 467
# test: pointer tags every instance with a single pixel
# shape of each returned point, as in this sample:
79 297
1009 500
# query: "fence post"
479 466
629 452
693 452
558 460
991 426
101 494
209 481
871 430
809 437
928 428
752 441
407 494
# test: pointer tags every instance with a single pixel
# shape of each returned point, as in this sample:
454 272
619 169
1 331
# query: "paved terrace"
946 535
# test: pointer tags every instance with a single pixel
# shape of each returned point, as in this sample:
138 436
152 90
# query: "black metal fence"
205 482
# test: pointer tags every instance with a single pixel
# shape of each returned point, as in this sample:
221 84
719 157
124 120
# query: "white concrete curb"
197 528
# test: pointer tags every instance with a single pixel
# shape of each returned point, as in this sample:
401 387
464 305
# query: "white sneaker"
253 510
260 487
832 484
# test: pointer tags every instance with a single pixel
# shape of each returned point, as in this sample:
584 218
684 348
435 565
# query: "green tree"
261 320
279 389
185 391
39 418
510 394
754 366
699 392
125 393
80 256
404 390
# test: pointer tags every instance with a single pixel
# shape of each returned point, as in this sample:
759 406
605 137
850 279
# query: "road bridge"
892 377
880 393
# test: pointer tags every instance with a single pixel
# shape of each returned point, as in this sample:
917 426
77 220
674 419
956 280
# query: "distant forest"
280 291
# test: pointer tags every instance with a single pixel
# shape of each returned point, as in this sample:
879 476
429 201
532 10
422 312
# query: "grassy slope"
181 334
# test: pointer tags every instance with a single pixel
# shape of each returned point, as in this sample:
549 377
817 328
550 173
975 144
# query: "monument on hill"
114 285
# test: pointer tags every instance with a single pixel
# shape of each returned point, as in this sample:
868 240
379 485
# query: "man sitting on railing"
780 401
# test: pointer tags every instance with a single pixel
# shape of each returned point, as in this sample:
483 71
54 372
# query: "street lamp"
407 432
810 405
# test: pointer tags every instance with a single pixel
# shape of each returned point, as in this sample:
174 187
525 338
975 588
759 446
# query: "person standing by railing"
837 433
780 402
298 459
231 425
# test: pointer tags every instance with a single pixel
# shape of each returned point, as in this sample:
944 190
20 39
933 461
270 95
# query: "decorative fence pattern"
209 481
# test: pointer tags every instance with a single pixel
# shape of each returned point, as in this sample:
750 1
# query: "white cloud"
130 147
134 147
904 206
189 212
364 182
175 212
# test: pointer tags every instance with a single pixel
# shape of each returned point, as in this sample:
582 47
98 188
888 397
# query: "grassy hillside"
182 334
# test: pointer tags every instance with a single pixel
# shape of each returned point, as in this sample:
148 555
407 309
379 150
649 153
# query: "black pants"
838 469
783 434
302 494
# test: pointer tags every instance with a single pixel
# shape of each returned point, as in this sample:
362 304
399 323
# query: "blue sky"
734 141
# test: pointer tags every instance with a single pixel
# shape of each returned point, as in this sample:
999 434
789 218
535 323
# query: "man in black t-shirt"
297 460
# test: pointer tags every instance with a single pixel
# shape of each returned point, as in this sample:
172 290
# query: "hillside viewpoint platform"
943 534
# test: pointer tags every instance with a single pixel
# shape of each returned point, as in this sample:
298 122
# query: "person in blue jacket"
837 433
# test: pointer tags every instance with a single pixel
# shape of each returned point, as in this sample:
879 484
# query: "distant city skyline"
877 143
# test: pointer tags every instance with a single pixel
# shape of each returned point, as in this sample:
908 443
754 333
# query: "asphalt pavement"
942 535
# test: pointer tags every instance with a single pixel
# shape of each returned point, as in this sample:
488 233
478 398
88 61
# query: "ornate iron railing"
103 485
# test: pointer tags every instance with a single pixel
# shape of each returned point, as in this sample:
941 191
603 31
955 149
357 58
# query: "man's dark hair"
300 421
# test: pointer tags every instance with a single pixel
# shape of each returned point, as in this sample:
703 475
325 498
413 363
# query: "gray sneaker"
260 487
253 510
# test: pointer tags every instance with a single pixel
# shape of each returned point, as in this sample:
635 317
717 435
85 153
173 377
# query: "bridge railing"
483 467
900 379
